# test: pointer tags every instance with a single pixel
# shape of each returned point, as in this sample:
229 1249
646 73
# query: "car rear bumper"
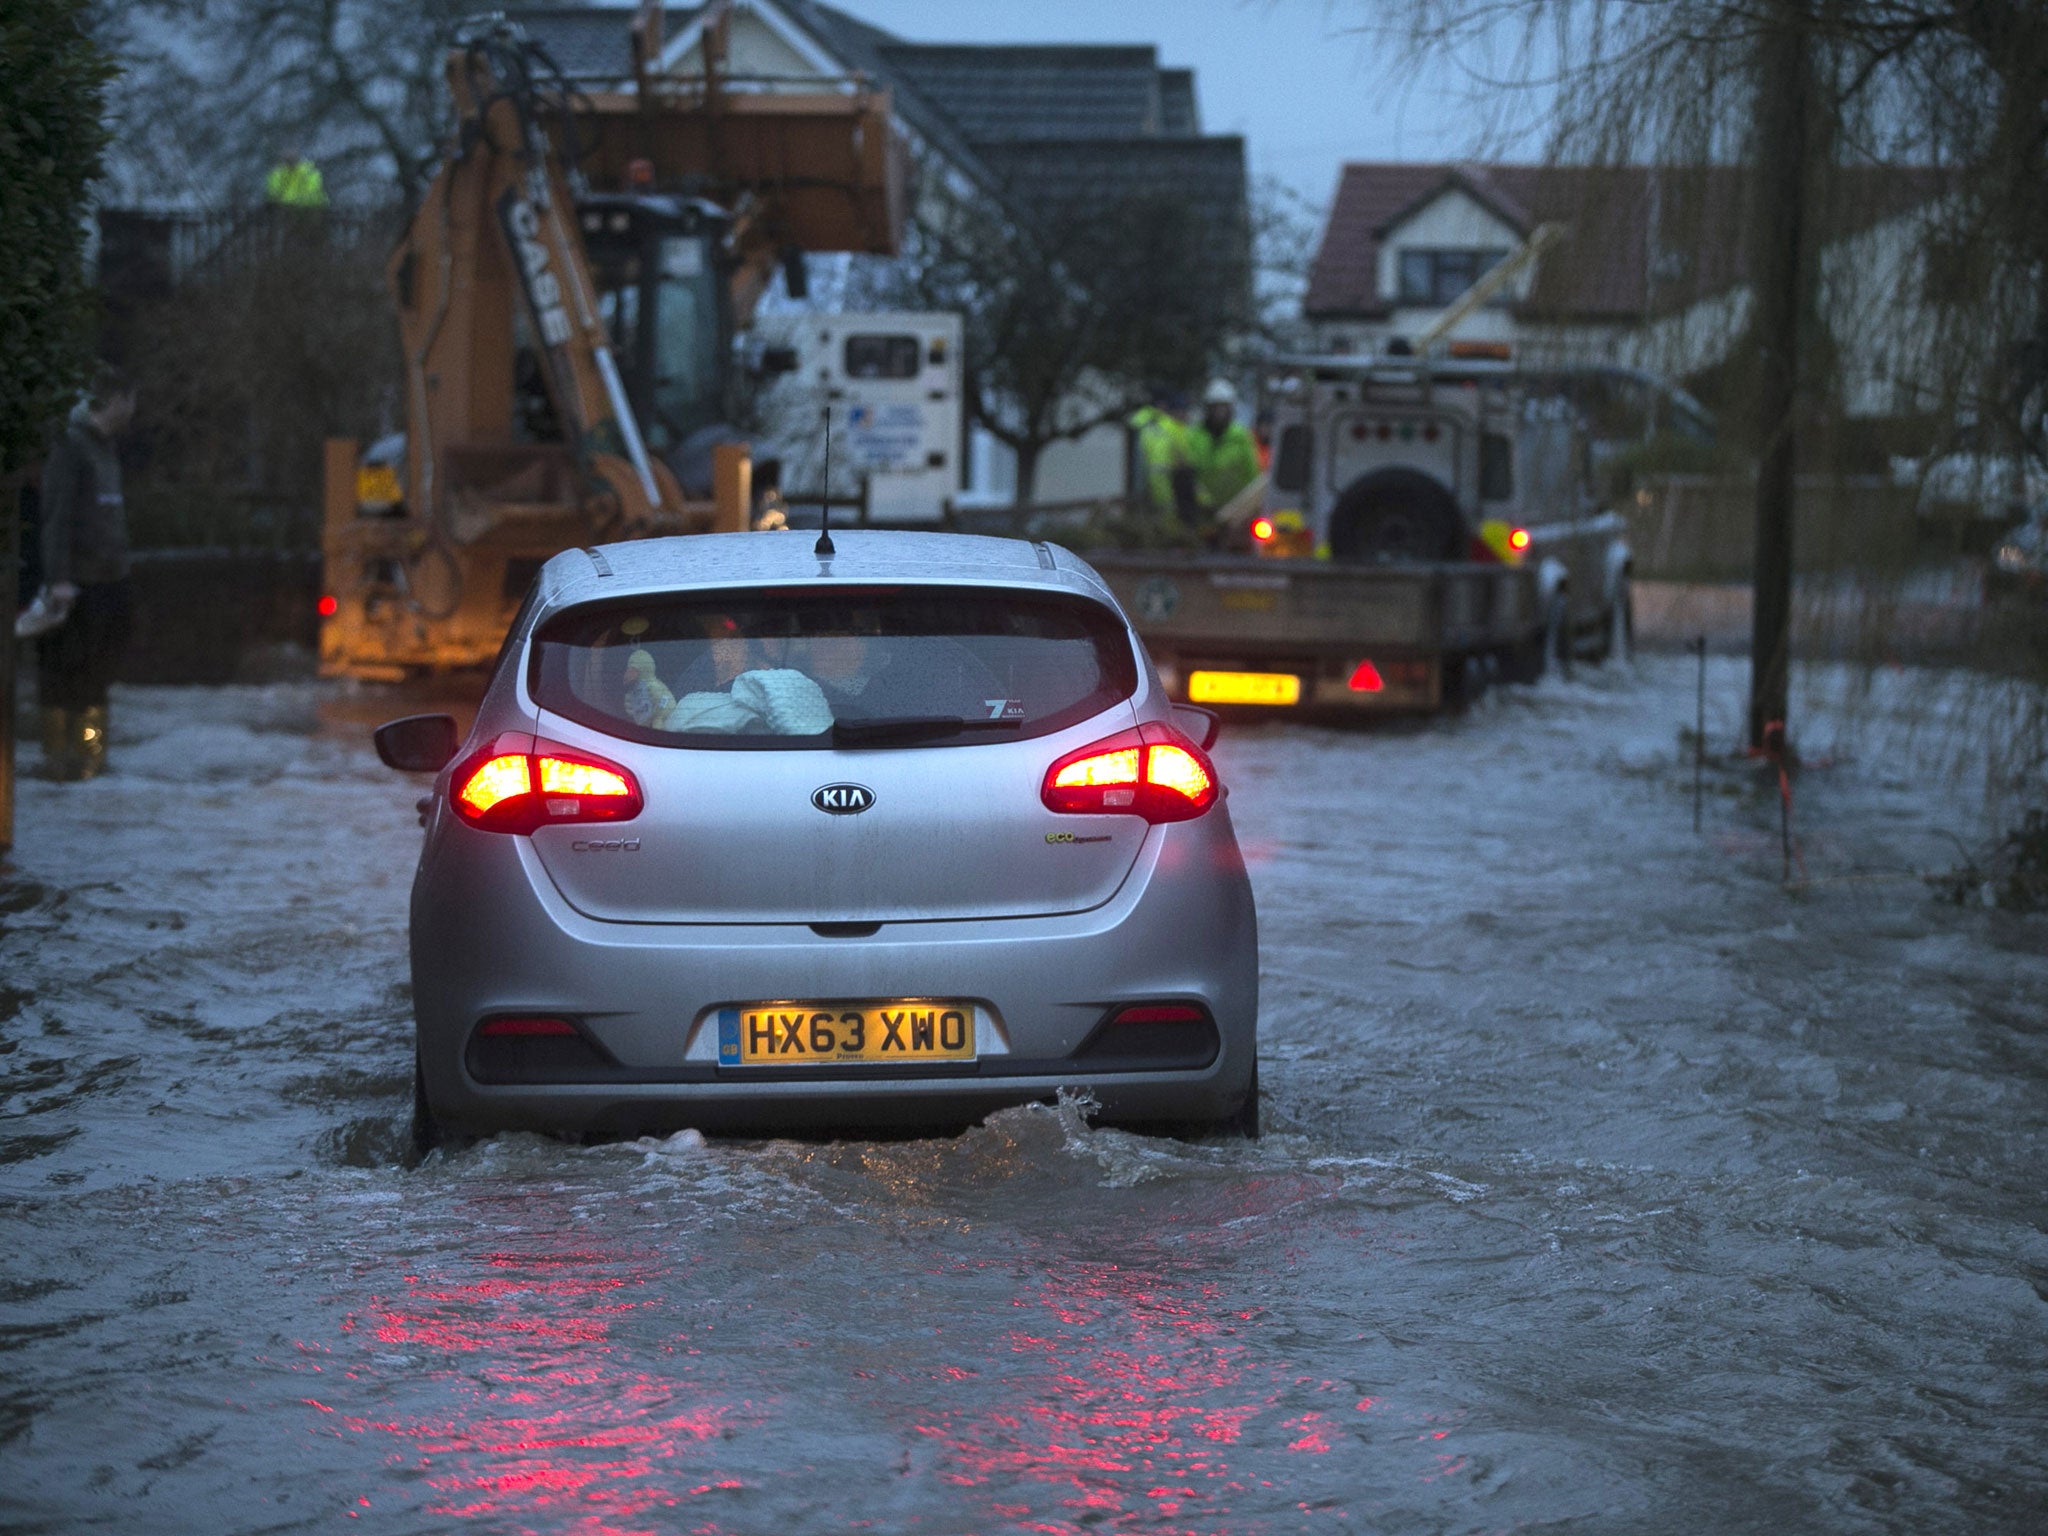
492 935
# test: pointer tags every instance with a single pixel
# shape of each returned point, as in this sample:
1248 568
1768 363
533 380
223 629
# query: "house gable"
760 41
1450 222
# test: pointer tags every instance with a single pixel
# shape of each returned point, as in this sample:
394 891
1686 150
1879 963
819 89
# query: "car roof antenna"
824 546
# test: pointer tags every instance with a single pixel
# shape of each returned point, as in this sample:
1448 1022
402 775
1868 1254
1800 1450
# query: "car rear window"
816 666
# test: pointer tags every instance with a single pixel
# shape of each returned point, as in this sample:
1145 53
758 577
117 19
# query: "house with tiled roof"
1648 267
1031 119
1024 124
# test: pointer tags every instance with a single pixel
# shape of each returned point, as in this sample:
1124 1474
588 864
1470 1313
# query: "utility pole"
1780 272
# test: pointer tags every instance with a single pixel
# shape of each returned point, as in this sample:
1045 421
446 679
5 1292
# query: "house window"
1441 277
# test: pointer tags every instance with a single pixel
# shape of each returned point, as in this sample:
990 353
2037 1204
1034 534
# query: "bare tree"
1075 307
218 90
1810 96
1284 226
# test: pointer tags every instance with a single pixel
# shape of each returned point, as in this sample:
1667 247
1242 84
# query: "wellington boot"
60 744
91 736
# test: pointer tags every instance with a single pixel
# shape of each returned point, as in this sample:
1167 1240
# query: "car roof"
788 557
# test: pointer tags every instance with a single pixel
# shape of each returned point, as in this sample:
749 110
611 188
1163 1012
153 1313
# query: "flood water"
1609 1184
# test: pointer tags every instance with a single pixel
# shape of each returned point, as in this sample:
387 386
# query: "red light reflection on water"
541 1420
1138 1394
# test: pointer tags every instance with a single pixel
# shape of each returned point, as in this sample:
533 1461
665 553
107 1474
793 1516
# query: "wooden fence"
1703 528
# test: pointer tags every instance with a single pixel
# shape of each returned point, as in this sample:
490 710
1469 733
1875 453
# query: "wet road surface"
1608 1185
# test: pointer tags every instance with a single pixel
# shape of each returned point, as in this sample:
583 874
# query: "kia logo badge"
842 799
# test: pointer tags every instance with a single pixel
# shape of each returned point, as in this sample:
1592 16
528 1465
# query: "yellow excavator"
568 293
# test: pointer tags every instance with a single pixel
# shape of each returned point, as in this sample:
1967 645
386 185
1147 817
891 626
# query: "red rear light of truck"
1154 772
1365 678
518 783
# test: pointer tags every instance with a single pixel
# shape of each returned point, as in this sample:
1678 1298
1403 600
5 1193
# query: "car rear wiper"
851 733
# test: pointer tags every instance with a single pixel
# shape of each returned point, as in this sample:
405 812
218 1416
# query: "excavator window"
656 266
690 343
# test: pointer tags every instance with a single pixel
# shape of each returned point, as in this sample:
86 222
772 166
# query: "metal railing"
145 251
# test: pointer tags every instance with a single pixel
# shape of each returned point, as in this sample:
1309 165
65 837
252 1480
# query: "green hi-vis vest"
296 185
1224 465
1162 448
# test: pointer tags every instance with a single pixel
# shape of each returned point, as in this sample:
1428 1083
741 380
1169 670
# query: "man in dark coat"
85 570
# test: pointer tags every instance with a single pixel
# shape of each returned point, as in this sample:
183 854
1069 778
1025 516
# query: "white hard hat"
1219 392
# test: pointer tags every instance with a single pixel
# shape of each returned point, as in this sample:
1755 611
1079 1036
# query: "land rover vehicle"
1424 523
750 836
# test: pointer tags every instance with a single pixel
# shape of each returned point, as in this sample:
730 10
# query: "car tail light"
1365 678
1154 772
536 1048
518 783
1152 1037
1158 1013
524 1029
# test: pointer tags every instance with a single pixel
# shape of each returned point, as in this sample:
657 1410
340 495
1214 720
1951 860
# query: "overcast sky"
1300 79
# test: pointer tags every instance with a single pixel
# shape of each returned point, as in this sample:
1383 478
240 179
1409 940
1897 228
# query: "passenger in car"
799 685
648 700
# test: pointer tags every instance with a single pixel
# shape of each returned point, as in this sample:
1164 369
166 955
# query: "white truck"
893 381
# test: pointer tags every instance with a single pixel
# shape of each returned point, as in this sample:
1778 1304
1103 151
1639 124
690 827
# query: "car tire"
1396 516
1558 639
429 1130
1520 662
1245 1122
1464 681
1621 633
1618 627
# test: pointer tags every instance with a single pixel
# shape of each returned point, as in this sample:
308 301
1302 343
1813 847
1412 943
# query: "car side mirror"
1202 724
418 743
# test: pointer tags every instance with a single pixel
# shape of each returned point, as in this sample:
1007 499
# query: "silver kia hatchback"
749 837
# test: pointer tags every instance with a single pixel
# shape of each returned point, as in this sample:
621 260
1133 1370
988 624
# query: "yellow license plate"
820 1034
1243 688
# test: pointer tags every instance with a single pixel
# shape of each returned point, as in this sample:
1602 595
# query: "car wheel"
1522 662
1617 627
428 1129
1464 681
1559 640
1245 1122
1396 516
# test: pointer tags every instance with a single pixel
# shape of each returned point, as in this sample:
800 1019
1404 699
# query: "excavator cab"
663 286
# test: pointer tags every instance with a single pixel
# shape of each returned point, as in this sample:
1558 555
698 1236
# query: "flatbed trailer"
1317 635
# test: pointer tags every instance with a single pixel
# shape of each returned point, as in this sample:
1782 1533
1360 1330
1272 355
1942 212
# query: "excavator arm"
508 175
538 353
